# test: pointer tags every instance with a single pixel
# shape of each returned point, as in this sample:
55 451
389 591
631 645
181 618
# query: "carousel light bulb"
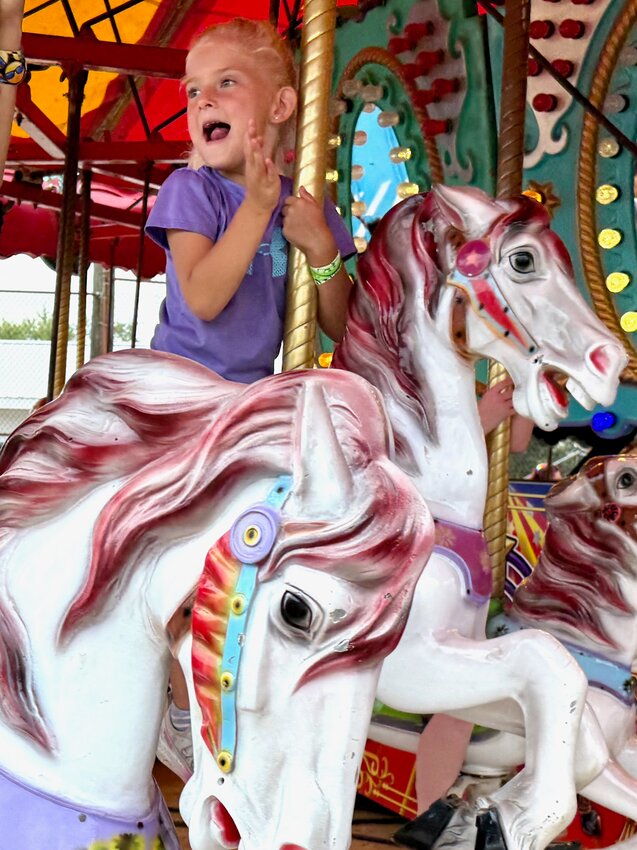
370 107
609 238
371 94
334 141
617 281
629 322
628 55
325 359
535 195
337 107
608 147
406 189
360 243
615 103
359 208
606 194
398 155
360 137
603 420
331 175
357 172
352 88
388 119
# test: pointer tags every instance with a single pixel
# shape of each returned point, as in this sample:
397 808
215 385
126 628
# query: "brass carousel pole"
510 166
66 238
317 52
85 236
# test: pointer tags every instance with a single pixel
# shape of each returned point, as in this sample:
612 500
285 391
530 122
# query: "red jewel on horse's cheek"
473 258
611 512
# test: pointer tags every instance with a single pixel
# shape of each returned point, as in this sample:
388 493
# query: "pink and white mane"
587 561
181 438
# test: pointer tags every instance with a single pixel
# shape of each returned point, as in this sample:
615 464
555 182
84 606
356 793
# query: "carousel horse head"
585 581
495 281
276 510
298 604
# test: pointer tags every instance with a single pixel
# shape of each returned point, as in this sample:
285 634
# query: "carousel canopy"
132 128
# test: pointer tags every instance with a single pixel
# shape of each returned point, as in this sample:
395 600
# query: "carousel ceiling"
132 128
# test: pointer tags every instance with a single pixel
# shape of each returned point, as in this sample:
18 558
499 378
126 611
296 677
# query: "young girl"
226 225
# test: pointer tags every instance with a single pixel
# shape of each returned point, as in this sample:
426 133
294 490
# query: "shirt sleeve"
185 202
341 234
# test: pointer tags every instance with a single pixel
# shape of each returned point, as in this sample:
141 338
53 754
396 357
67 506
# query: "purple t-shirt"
242 342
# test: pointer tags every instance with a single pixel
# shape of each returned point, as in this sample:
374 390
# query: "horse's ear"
467 209
323 481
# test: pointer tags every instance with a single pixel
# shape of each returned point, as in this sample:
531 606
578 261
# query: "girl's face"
225 89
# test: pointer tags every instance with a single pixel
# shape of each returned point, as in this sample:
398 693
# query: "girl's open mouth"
214 131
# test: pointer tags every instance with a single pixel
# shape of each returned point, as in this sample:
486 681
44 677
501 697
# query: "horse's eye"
296 612
522 262
626 479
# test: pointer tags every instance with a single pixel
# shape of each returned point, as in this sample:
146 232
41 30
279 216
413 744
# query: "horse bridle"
252 538
471 274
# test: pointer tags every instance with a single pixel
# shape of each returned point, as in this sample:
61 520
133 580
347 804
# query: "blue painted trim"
236 630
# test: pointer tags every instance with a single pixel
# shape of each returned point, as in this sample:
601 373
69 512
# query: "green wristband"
321 274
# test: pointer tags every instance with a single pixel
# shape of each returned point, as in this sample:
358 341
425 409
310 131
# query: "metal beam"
29 153
39 126
104 55
20 191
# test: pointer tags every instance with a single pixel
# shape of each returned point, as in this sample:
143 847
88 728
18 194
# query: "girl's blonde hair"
261 40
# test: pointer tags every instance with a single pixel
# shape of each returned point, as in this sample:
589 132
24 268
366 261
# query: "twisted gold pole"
317 52
510 165
586 214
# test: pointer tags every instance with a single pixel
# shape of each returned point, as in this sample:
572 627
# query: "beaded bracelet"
13 68
321 274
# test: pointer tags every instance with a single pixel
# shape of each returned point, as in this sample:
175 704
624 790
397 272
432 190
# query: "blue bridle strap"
240 600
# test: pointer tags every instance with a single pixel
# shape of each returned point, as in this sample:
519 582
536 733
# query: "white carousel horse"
449 277
584 591
113 499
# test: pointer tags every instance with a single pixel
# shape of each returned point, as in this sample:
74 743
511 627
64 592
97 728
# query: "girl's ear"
283 105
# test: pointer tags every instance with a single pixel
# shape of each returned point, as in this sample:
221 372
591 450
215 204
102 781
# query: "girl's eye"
225 83
192 93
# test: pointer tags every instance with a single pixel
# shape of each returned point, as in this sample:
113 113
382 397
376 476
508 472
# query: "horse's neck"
451 463
100 693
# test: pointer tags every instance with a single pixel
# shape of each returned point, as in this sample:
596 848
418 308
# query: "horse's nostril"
600 359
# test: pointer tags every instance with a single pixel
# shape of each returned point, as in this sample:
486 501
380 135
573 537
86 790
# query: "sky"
23 278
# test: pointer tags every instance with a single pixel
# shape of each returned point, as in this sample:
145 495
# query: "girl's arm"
304 226
209 273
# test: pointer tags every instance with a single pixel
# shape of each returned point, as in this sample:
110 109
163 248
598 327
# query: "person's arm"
521 431
496 405
11 12
209 273
306 228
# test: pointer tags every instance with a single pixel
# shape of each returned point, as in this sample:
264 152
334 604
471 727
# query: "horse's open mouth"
222 819
555 382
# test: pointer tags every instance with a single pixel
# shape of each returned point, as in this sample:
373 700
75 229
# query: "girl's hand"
262 180
496 405
304 226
